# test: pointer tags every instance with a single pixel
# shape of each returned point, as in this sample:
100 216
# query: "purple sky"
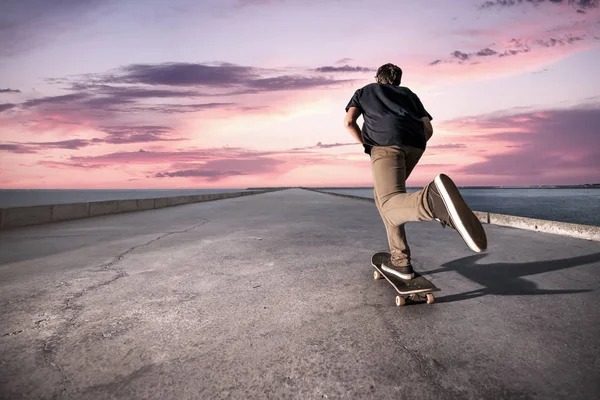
182 93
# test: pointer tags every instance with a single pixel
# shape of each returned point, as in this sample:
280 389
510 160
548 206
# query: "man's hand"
350 123
428 127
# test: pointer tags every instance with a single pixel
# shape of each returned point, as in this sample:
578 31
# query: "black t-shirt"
392 116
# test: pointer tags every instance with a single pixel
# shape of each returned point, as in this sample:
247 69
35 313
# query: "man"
395 131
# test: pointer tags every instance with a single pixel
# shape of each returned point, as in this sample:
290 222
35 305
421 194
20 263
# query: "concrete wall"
587 232
560 228
13 217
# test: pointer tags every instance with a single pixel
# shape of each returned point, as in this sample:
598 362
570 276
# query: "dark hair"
389 74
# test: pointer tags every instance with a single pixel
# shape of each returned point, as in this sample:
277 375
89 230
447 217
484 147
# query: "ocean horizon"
565 204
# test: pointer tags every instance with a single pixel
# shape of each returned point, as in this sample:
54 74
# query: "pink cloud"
538 37
209 166
114 135
559 146
68 165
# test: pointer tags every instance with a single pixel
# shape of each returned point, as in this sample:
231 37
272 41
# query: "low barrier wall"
579 231
12 217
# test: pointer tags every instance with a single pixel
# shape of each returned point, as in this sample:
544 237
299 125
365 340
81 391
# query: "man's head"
389 74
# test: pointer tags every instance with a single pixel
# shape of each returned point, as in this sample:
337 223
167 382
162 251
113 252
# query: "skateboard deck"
417 289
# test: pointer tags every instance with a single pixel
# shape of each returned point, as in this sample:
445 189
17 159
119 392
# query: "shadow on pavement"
506 279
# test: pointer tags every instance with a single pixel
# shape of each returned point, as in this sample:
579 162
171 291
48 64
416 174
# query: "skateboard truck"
417 289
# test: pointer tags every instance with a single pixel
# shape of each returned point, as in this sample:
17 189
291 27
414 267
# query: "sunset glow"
242 93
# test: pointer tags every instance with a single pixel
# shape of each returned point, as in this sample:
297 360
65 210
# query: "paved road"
272 296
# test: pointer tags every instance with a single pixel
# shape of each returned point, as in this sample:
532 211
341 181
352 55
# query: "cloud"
9 91
157 157
139 88
552 146
16 148
35 147
72 144
330 145
223 75
343 61
511 3
125 92
321 145
102 102
183 108
106 97
67 165
184 74
248 108
6 106
486 52
512 52
512 48
293 82
67 98
210 164
97 111
246 3
24 24
448 146
215 170
344 68
105 103
460 55
195 173
552 42
546 37
137 134
114 135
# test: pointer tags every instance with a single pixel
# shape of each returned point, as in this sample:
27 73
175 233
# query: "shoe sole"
396 273
451 207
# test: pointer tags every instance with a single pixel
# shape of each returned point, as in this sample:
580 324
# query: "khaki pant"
391 166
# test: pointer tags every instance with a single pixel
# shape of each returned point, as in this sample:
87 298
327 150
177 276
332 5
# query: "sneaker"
449 208
406 273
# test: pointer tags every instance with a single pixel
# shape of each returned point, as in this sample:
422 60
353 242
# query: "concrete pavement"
272 296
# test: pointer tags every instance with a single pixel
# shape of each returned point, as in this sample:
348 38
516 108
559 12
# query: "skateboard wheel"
376 275
430 298
400 301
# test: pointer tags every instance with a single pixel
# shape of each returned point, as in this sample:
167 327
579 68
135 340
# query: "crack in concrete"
47 353
50 345
121 256
14 333
36 324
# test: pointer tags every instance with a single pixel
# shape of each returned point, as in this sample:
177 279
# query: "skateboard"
417 289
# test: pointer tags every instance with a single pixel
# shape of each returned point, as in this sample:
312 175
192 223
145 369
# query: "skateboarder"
395 131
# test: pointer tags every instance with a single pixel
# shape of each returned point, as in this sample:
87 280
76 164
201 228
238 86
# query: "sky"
99 94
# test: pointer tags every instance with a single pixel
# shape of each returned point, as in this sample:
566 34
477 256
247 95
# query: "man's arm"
428 127
427 117
350 123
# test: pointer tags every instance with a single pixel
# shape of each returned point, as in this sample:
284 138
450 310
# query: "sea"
575 205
